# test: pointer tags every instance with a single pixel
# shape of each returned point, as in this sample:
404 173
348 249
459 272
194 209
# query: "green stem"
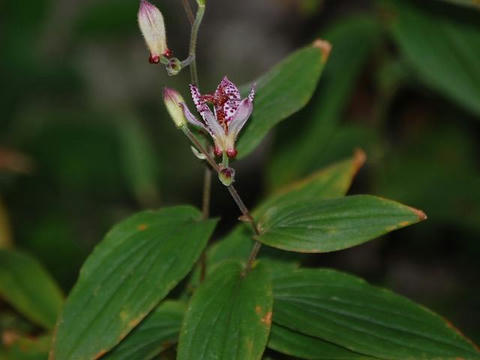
193 42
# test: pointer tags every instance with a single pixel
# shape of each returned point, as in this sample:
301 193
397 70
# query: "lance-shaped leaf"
332 224
302 147
331 182
284 90
139 261
294 343
347 311
155 334
27 286
450 63
229 316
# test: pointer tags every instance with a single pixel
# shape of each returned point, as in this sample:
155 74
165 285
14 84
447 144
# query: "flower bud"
174 66
227 176
172 100
152 26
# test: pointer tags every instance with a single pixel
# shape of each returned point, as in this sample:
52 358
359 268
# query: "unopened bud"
172 100
227 176
152 26
174 66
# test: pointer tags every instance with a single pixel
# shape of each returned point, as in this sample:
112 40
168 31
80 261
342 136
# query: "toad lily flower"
228 118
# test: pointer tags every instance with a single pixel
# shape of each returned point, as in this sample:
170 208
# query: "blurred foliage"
81 104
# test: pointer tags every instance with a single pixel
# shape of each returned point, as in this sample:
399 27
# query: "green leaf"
331 182
333 224
284 90
347 311
307 347
229 316
450 63
139 261
27 286
156 333
299 150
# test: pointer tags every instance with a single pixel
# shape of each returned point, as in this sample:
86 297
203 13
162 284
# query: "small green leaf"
347 311
229 316
451 61
282 91
155 334
27 286
139 261
307 347
333 224
297 152
331 182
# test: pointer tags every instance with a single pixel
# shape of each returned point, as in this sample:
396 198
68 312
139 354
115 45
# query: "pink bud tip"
154 59
217 151
232 153
168 53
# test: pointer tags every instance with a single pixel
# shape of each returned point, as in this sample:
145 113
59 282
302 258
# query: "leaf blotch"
267 319
142 227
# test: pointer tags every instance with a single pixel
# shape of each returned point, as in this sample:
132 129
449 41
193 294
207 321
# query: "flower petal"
191 118
242 114
226 87
200 104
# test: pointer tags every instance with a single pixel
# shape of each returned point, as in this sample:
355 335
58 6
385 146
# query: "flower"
229 116
172 100
152 26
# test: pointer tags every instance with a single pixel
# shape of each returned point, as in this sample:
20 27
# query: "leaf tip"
359 159
420 214
325 47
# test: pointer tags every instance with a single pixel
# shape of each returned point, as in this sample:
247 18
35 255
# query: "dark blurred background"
85 140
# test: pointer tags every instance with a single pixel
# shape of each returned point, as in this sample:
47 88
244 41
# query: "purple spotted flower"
230 113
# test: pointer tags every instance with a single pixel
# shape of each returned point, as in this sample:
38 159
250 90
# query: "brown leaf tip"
325 47
421 215
359 159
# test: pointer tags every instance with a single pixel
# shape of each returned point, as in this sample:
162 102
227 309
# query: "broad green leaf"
229 316
442 48
347 311
154 334
331 182
27 286
299 149
294 343
333 224
139 261
282 91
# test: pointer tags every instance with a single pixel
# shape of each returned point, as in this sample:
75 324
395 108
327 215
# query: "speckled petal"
242 114
228 88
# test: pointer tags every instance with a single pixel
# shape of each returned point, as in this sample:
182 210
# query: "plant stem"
233 192
188 11
193 43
